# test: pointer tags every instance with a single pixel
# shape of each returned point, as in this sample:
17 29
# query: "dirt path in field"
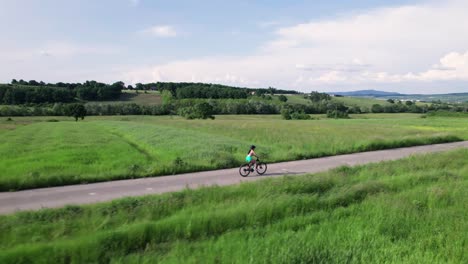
97 192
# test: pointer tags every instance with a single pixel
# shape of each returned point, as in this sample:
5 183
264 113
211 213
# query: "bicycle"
247 168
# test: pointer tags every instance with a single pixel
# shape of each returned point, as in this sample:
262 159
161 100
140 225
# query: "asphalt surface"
11 202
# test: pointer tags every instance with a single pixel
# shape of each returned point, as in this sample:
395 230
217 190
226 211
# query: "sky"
337 45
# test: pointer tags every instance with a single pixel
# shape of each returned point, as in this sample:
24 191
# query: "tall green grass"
409 211
446 114
36 153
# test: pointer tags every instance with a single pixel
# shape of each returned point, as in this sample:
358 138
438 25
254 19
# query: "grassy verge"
36 153
408 211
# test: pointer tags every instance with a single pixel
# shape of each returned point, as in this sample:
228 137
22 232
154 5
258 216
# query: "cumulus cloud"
162 31
414 43
453 66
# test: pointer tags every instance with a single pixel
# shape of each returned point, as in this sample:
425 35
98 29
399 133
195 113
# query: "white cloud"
385 45
453 66
331 77
420 46
162 31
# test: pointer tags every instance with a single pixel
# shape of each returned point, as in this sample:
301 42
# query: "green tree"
200 111
376 108
283 98
286 113
76 110
166 96
139 86
337 110
204 110
317 97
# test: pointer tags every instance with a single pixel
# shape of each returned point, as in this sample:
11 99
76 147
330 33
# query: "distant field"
154 98
451 98
348 101
141 98
409 211
37 153
296 99
360 102
368 102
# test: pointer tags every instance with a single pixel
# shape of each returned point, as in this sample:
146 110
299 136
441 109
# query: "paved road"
98 192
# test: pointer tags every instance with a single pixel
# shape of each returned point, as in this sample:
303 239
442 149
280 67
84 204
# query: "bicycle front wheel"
244 170
261 168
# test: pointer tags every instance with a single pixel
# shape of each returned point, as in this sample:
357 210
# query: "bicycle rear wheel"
244 170
261 168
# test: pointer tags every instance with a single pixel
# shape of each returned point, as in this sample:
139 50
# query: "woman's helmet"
252 147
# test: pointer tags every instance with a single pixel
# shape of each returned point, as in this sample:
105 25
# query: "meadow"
362 102
54 151
413 210
453 98
132 96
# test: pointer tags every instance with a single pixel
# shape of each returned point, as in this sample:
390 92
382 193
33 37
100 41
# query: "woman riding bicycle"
253 164
251 154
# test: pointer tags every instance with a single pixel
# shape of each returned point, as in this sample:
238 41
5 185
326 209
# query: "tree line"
33 92
319 104
184 99
230 106
183 90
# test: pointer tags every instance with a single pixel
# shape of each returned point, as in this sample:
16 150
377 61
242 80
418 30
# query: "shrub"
300 116
282 98
285 113
200 111
337 114
376 108
76 110
288 113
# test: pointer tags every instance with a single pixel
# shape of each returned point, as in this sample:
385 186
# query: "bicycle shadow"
278 174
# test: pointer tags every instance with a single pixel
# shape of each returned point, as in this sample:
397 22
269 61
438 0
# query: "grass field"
37 153
365 103
360 101
348 101
451 98
141 98
409 211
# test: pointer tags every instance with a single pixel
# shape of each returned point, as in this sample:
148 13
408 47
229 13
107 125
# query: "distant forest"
185 90
21 98
33 92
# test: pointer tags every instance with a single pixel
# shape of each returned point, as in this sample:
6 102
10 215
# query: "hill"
369 93
449 97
